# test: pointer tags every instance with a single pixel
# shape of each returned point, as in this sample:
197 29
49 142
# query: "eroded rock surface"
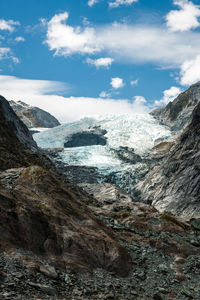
174 185
13 129
33 117
177 114
40 214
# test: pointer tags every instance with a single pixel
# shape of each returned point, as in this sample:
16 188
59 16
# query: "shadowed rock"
87 138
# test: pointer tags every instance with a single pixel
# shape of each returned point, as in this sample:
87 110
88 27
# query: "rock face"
15 140
41 215
33 117
177 114
42 212
174 185
95 136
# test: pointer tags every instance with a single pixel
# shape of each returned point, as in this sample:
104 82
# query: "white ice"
134 131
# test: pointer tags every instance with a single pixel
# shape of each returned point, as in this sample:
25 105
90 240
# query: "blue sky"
79 57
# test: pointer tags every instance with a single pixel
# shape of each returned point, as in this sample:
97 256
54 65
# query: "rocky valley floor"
165 261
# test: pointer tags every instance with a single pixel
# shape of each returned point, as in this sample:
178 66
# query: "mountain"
60 241
42 212
147 161
177 114
33 117
17 148
174 185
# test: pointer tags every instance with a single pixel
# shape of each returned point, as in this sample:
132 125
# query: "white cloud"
8 25
134 82
20 39
117 3
190 71
140 105
44 94
117 83
15 60
148 44
125 43
184 19
32 87
66 40
168 96
101 62
104 94
4 52
92 2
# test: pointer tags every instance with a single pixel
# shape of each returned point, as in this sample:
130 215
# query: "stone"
163 268
49 271
44 288
157 297
162 290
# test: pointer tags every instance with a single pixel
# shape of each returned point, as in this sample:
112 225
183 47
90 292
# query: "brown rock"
42 215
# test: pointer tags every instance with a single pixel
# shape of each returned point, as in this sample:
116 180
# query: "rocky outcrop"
16 143
174 185
40 214
94 136
33 117
12 125
41 211
177 114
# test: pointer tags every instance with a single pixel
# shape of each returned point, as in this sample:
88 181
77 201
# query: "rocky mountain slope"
59 242
41 214
174 185
177 114
16 141
33 117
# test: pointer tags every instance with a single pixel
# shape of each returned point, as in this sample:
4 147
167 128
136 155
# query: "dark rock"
86 138
128 155
157 297
11 121
44 288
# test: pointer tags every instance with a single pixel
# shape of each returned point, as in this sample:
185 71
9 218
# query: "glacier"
134 131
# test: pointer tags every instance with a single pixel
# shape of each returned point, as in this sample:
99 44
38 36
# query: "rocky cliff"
177 114
33 117
16 143
174 185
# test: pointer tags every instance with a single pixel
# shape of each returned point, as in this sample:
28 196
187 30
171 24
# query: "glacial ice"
135 131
